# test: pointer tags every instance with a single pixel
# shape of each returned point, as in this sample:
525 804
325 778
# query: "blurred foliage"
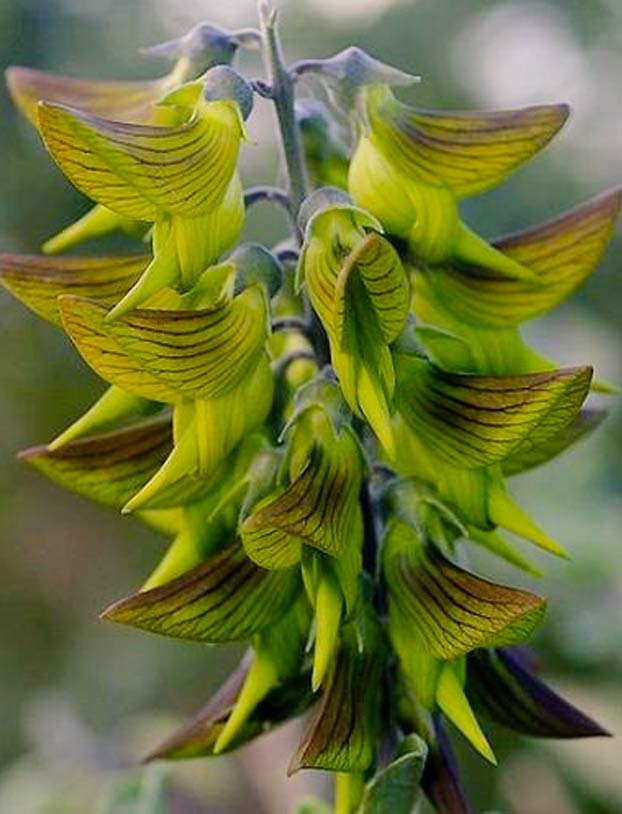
62 560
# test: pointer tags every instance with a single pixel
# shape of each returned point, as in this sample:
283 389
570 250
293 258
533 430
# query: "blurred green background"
80 701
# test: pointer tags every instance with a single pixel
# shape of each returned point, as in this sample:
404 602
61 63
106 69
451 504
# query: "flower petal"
342 734
453 610
319 508
501 686
107 468
38 281
475 421
121 101
141 170
228 598
164 354
562 252
469 152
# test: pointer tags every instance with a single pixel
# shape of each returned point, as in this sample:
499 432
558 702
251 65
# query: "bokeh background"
80 701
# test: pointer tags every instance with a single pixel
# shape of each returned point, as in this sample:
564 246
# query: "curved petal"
501 686
226 599
452 610
469 152
562 252
121 101
165 355
38 281
108 468
143 170
475 421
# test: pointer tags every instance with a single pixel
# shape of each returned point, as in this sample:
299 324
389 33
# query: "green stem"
282 94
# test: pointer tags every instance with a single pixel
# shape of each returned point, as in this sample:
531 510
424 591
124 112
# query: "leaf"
469 152
319 508
562 252
142 170
38 281
143 792
165 355
475 421
227 598
341 736
108 468
121 101
395 788
452 610
500 685
529 455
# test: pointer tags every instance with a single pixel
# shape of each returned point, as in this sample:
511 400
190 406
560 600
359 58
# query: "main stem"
282 94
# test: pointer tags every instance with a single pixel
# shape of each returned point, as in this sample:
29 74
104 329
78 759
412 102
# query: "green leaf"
342 733
469 152
165 355
121 101
228 598
395 788
142 170
451 610
38 281
108 468
475 421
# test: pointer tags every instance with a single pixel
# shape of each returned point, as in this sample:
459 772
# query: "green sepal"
113 407
96 222
227 598
208 524
184 248
107 468
342 734
475 421
451 610
395 788
38 281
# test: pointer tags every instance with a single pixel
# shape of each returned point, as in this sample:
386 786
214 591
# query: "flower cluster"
322 428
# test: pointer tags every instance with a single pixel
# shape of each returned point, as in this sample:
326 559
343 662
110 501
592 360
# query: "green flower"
360 292
412 166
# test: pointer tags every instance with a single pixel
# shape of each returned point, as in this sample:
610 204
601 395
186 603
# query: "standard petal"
562 252
38 281
342 734
108 468
501 686
469 152
452 610
226 599
121 101
475 421
142 170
